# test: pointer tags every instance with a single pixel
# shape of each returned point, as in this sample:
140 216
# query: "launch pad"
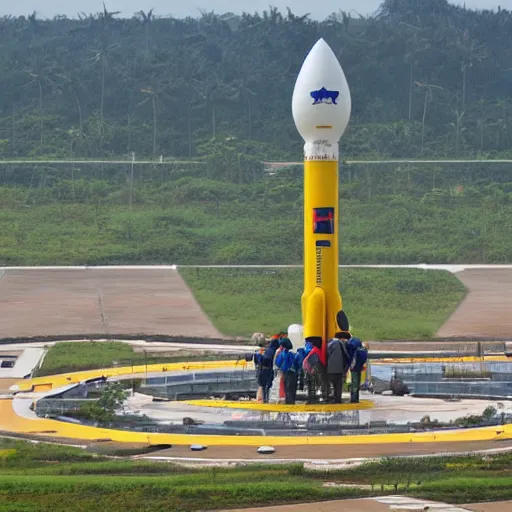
41 407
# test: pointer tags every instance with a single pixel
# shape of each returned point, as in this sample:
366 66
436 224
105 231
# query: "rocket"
321 108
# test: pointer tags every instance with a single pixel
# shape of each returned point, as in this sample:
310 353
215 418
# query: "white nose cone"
321 99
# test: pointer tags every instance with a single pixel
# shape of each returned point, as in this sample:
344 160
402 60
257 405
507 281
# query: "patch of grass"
467 490
124 494
44 477
29 482
89 355
380 303
23 454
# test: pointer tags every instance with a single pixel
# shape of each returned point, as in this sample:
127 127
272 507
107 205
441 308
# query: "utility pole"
131 179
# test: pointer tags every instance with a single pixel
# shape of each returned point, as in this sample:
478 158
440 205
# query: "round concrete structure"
16 417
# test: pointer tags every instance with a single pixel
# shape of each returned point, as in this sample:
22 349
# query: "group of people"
309 367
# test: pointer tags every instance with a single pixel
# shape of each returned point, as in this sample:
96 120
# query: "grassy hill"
49 216
380 303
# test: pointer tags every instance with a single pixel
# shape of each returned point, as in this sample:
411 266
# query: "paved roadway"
498 506
380 504
155 300
45 302
141 345
485 311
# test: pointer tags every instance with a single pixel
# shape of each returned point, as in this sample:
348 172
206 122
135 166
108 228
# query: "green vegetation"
103 410
28 482
40 477
195 220
104 86
228 81
72 357
450 479
380 303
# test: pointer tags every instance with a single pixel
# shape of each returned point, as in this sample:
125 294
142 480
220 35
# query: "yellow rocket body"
321 299
321 107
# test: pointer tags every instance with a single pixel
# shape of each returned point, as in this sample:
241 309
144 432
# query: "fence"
476 380
200 383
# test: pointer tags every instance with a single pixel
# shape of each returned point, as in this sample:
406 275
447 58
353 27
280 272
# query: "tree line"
427 79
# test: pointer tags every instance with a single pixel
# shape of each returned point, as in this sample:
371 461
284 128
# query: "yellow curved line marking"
297 408
10 421
64 379
55 381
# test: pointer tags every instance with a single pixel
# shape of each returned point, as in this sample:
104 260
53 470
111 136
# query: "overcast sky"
180 8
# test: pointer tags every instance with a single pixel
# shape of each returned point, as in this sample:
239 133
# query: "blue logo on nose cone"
324 96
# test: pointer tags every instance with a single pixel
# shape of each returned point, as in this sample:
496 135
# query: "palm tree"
414 45
214 93
129 122
107 17
471 52
481 123
40 76
193 101
101 56
155 95
146 20
428 98
72 83
501 124
35 28
247 93
457 125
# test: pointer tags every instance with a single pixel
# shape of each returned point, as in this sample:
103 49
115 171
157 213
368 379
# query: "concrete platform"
24 364
400 410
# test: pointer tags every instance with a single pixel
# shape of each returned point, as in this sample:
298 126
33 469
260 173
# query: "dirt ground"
70 302
485 311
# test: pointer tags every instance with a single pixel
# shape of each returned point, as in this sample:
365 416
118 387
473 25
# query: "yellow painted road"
297 408
11 422
56 381
64 379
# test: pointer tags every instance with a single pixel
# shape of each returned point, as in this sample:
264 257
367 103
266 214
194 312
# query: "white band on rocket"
321 150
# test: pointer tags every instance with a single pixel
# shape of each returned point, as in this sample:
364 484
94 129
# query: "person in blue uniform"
266 373
258 358
358 356
285 361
